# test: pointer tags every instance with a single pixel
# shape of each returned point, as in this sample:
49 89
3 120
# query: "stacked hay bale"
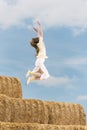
31 114
10 86
43 112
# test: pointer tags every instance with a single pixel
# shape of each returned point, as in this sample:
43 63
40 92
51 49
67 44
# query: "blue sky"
65 36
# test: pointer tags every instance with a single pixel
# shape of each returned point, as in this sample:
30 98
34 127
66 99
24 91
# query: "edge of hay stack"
36 126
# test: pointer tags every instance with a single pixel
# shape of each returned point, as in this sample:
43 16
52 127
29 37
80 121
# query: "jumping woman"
39 72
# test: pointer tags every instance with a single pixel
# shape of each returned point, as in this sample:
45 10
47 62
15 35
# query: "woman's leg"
45 73
39 72
36 76
36 69
42 69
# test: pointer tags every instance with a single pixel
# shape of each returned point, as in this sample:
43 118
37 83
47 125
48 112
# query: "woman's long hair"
33 43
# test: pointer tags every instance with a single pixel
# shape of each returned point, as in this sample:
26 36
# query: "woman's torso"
42 48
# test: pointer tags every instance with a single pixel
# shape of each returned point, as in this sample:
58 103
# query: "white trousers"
39 64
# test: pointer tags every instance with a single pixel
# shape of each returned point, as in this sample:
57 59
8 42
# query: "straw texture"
5 109
10 86
33 126
43 112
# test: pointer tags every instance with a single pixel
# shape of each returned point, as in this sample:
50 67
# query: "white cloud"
71 13
77 31
79 65
57 82
76 62
82 97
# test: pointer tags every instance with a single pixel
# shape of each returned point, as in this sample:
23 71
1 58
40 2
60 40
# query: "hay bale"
29 110
65 113
37 111
5 109
10 86
34 126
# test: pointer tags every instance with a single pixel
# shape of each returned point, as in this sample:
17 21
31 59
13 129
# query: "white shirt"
42 49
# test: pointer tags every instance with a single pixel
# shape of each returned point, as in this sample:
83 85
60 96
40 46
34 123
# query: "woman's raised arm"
39 29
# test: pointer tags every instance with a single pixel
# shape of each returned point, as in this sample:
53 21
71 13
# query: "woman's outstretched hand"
38 22
38 29
35 29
